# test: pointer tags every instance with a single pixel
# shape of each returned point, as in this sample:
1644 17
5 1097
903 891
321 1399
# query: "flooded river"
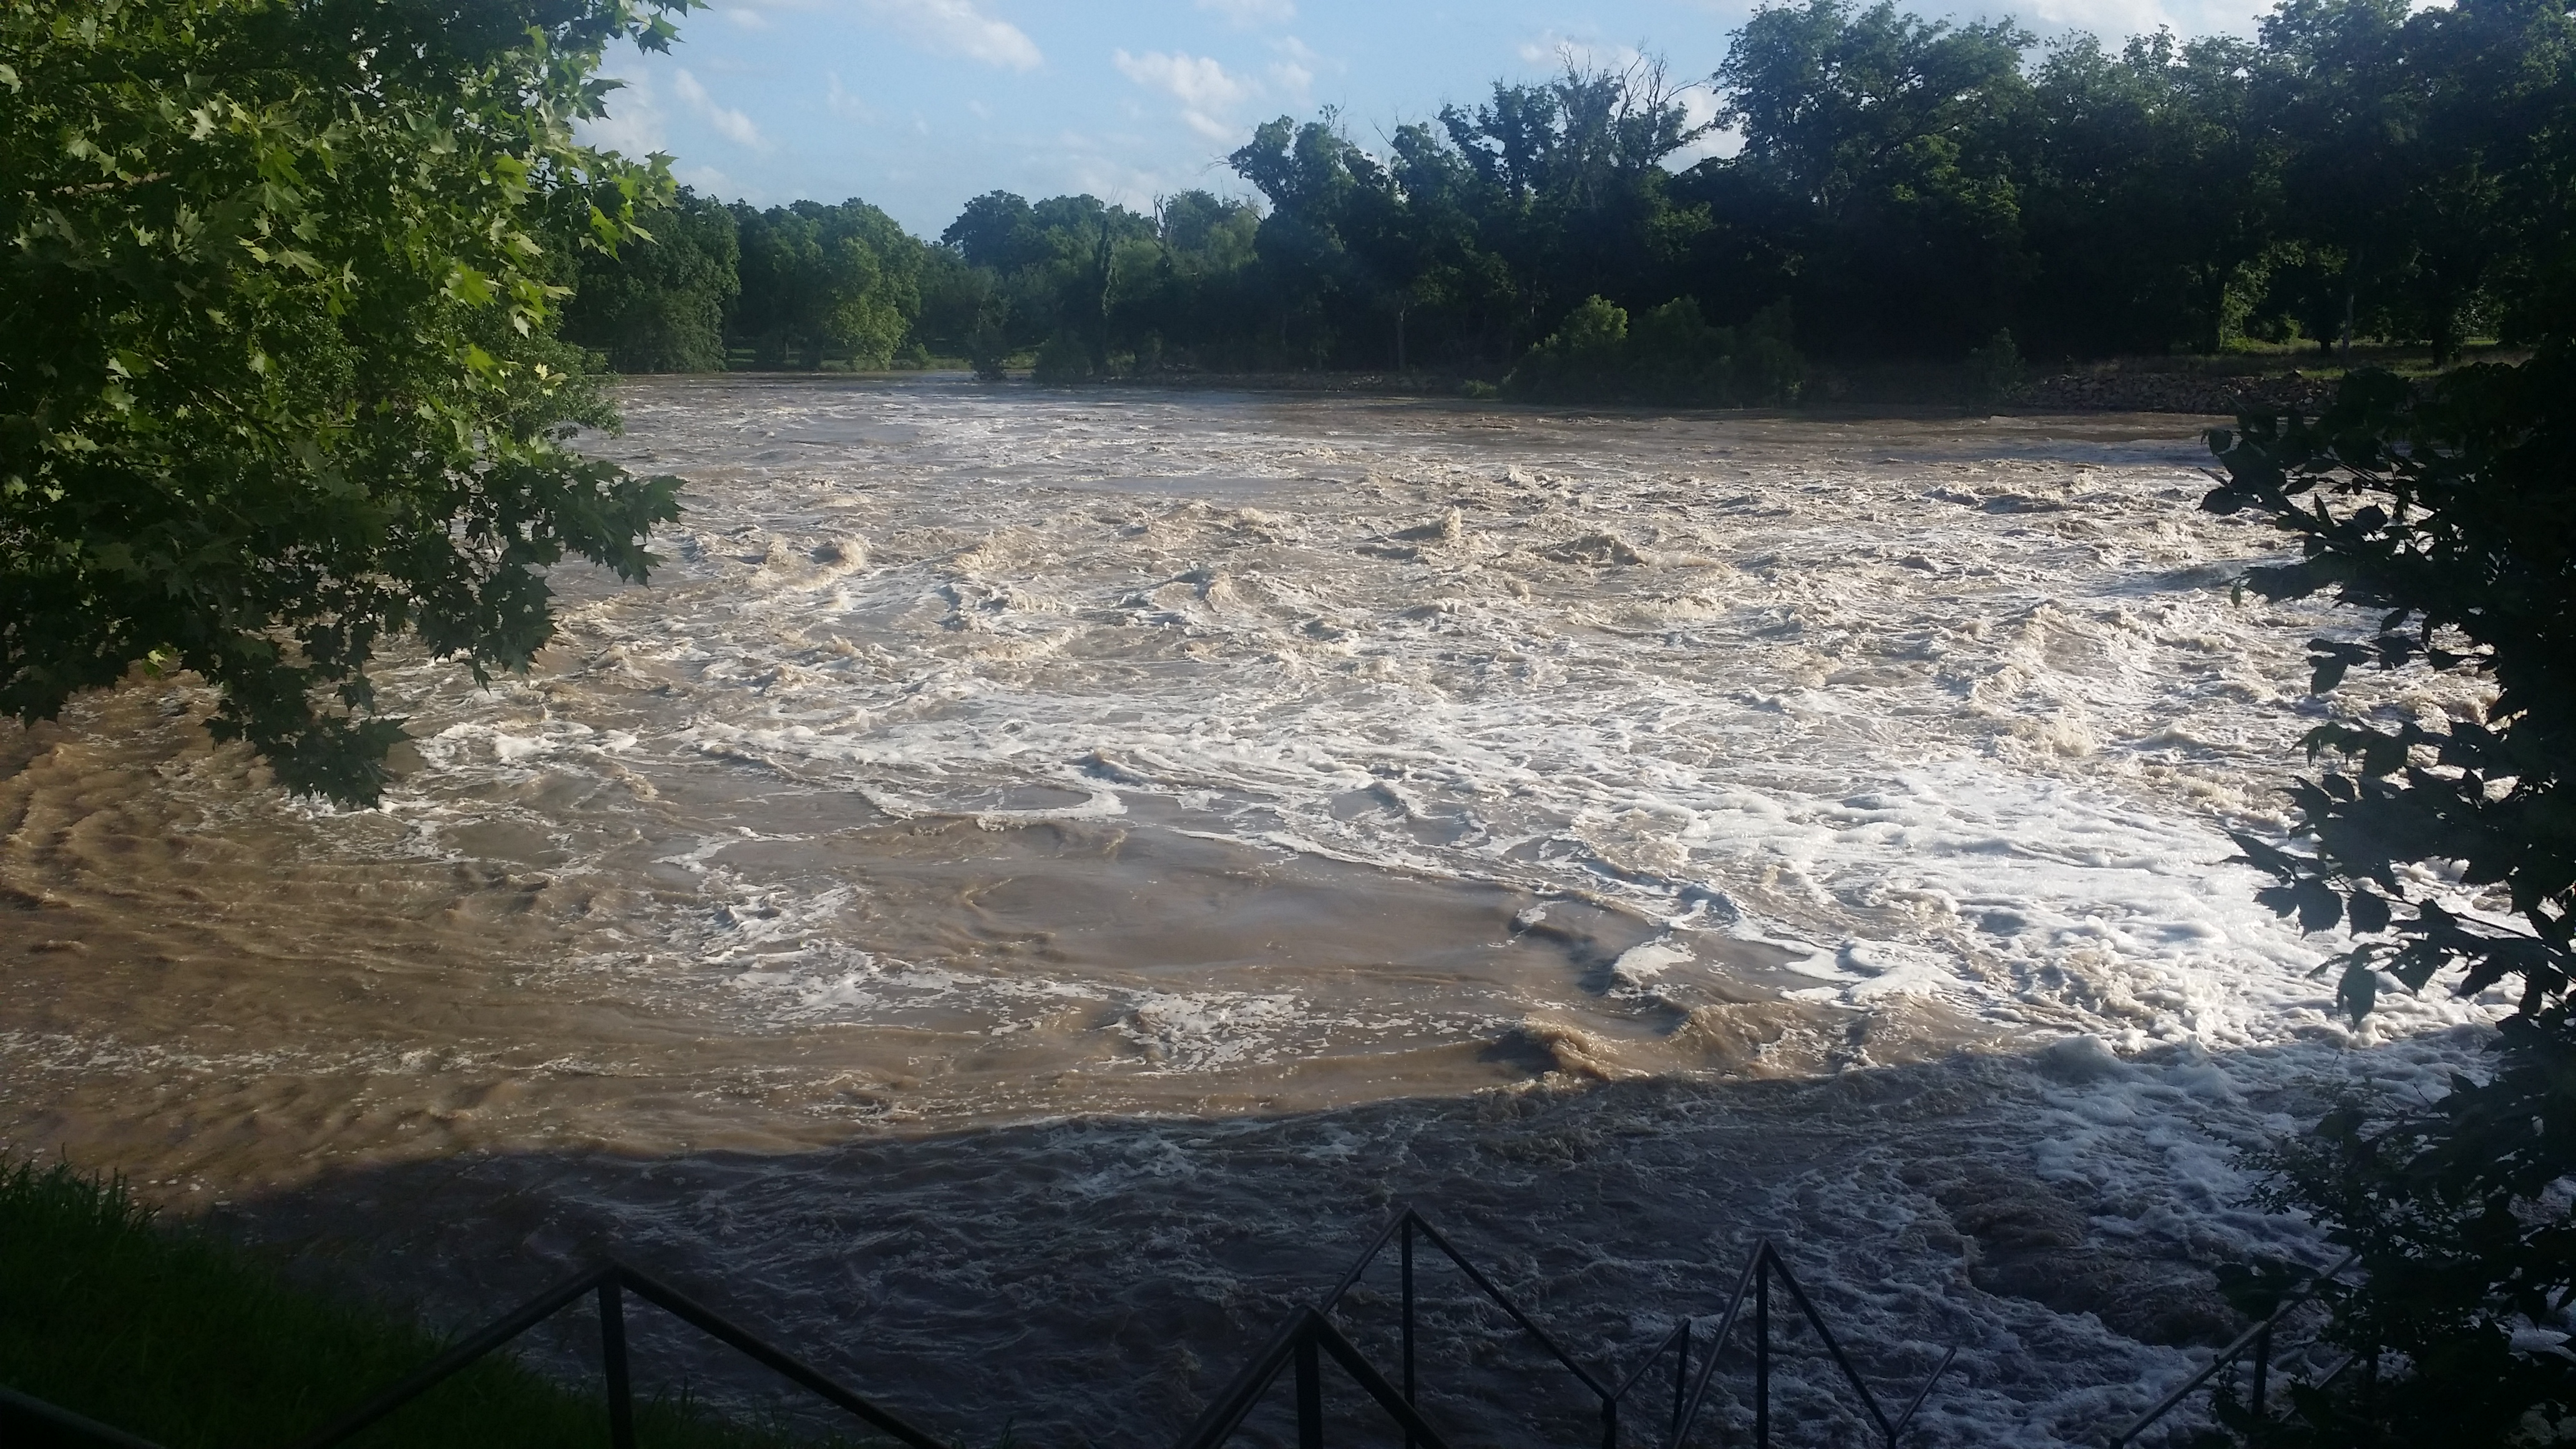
1036 872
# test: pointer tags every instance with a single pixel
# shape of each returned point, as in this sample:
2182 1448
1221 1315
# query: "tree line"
1902 189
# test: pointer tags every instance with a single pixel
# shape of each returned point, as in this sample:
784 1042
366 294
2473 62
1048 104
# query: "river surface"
1036 873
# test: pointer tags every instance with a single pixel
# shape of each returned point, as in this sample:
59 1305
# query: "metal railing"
611 1281
31 1421
1301 1343
2255 1342
1309 1329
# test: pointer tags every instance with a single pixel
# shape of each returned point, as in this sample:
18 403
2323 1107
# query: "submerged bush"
1063 359
1667 354
1994 370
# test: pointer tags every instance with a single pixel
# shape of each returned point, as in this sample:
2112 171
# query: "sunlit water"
1324 800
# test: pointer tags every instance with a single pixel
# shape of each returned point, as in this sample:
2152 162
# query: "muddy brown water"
1037 873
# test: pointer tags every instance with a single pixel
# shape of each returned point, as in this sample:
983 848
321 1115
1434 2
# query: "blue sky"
917 105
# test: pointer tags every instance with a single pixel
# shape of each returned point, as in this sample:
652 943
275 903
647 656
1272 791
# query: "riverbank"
2195 386
171 1332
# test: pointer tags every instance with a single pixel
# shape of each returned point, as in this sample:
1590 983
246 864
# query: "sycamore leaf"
469 286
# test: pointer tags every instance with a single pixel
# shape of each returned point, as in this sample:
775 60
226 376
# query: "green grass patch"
177 1335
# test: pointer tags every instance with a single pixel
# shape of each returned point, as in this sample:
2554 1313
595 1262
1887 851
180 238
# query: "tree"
2489 200
1893 141
2448 845
2427 151
996 231
1308 174
961 311
2152 193
1051 274
2335 89
820 282
658 303
1573 194
276 375
1077 240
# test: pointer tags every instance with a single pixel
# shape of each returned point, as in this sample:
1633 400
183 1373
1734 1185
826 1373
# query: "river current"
1036 872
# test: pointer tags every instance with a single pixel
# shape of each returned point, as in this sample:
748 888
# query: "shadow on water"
1097 1280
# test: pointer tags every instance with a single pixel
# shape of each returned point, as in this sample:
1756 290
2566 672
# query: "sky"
917 105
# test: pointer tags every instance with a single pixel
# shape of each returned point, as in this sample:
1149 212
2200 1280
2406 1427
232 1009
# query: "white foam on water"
1948 719
1961 708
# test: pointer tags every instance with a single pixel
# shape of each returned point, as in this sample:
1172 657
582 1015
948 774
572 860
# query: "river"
1036 871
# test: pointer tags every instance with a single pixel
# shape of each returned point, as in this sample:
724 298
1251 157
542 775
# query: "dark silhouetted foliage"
2446 845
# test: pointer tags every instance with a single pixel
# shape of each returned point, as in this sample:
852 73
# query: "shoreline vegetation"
2223 386
1857 206
168 1331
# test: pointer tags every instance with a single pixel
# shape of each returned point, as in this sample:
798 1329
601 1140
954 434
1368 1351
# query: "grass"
2252 357
179 1336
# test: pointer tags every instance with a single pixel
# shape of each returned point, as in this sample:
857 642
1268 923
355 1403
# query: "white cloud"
761 16
633 125
1559 50
1699 105
708 181
2112 19
841 103
1295 70
956 27
1109 165
1197 81
729 123
1203 87
1253 12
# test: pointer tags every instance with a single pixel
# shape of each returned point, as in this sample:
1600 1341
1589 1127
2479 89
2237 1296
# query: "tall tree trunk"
2214 340
2446 333
1100 305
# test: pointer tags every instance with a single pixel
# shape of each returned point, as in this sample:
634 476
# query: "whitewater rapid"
1154 769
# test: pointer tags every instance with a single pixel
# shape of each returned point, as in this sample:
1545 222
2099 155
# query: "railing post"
1681 1381
1609 1422
1762 1347
2262 1371
1408 1320
1310 1393
612 1352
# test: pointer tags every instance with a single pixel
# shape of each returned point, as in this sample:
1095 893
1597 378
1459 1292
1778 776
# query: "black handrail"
611 1280
1228 1410
1303 1332
1301 1342
2257 1341
1764 1264
21 1413
1409 1222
